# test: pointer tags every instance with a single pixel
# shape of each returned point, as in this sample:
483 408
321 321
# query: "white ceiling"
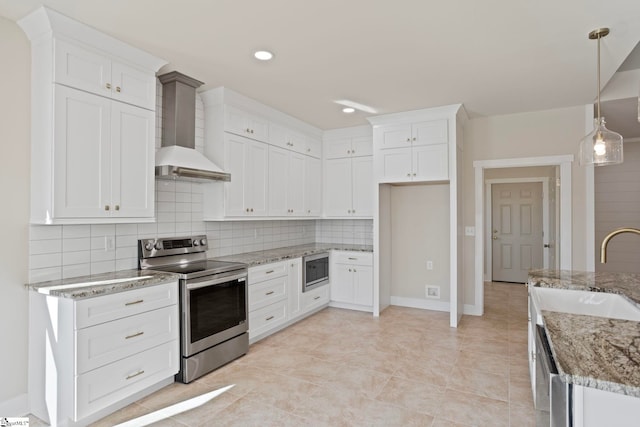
494 56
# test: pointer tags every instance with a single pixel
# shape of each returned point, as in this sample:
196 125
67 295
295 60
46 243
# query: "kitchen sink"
47 290
584 302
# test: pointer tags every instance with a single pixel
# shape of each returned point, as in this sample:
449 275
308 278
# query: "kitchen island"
598 356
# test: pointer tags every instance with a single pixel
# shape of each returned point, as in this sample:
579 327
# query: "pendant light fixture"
601 146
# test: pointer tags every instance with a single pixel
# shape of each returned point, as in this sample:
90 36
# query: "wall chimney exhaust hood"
177 158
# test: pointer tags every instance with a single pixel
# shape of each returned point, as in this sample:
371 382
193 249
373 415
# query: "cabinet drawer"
266 318
315 298
106 308
111 341
267 271
353 258
104 386
267 292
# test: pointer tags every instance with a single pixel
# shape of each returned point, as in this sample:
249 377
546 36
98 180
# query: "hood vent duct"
178 158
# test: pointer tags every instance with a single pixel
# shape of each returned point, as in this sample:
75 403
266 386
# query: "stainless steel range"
213 302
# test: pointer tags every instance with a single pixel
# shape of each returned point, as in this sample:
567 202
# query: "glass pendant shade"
601 147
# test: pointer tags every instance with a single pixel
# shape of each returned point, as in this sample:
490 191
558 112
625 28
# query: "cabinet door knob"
408 174
251 130
108 85
117 207
309 211
414 138
251 209
414 174
408 139
106 207
248 130
354 270
349 270
118 89
348 151
247 209
308 150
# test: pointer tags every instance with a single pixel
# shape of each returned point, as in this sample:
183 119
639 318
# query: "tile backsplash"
64 251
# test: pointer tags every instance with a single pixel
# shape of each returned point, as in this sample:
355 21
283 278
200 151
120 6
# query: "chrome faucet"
605 242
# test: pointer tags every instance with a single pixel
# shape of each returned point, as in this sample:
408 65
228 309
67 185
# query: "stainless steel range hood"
178 158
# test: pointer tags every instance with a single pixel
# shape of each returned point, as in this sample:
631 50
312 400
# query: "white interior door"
516 230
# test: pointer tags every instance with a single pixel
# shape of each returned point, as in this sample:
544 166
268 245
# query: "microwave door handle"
212 282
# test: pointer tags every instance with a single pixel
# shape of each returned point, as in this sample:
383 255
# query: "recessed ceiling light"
263 55
350 104
348 110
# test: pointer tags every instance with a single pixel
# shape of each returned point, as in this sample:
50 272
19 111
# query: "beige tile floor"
346 368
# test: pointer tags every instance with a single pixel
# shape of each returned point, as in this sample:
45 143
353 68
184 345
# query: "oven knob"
203 242
148 246
158 245
196 242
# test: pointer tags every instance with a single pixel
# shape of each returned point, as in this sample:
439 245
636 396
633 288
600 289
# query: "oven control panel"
172 246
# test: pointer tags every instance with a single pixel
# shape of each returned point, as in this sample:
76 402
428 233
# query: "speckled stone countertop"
274 255
595 351
102 284
627 284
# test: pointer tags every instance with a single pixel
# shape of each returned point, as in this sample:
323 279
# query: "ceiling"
494 56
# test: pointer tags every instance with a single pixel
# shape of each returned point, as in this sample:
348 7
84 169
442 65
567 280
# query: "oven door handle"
197 285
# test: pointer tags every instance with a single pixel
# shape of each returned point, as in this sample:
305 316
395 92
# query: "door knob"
495 237
547 245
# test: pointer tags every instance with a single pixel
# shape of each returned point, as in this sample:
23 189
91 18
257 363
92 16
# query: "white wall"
533 134
420 233
617 204
14 180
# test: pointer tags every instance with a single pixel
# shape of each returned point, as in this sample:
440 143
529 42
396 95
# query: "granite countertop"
274 255
592 351
627 284
595 351
102 284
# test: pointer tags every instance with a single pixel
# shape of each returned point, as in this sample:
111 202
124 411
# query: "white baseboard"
15 407
471 310
424 304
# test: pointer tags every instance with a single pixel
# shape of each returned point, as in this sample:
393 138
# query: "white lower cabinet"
276 299
352 280
87 357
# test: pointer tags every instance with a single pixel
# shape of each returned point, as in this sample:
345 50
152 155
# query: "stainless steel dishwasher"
553 394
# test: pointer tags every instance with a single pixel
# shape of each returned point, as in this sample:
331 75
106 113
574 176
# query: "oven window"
216 308
316 270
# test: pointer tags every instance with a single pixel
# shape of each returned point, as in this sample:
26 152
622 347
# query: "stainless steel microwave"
315 271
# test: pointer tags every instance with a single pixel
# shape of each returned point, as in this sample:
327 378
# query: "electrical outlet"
470 231
109 244
432 291
429 265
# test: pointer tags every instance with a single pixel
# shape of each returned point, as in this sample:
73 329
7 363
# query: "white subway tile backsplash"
37 247
127 264
76 270
147 230
44 274
76 231
126 241
99 256
44 232
80 244
126 229
103 267
130 252
80 257
45 260
103 230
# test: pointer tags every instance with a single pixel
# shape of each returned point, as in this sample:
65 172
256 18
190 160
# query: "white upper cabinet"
313 186
412 151
348 173
80 67
246 161
93 124
286 182
348 147
245 124
98 148
282 176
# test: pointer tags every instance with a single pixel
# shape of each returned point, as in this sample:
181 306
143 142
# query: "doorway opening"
484 170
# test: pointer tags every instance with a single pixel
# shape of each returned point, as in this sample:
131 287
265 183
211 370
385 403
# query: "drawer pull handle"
134 302
134 335
269 293
318 297
269 272
135 375
269 318
353 258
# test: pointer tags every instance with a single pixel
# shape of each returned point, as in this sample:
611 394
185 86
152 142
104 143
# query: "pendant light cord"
598 78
